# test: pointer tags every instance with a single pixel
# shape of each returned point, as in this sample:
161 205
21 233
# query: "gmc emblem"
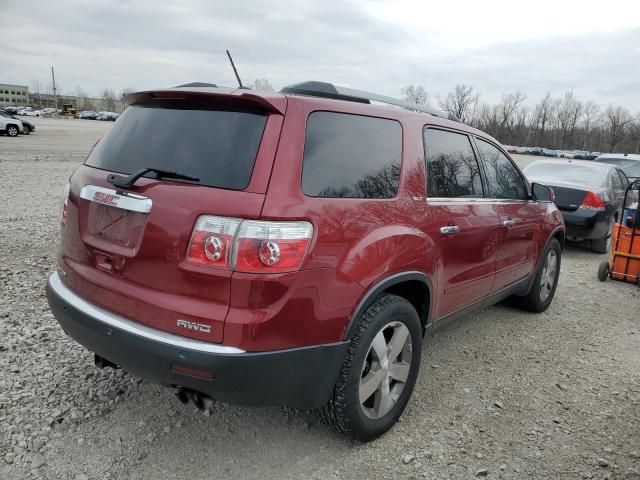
106 198
200 327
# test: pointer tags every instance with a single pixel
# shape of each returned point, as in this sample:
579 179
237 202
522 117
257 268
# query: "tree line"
565 123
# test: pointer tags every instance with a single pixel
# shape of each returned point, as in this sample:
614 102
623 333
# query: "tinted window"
503 179
217 146
452 168
351 156
569 172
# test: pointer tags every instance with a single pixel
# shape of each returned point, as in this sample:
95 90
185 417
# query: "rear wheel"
602 245
546 280
12 130
379 370
27 130
603 271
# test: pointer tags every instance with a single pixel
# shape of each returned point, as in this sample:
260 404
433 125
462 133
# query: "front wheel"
603 271
545 281
379 370
12 131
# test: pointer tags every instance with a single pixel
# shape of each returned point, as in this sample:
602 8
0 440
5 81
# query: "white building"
14 95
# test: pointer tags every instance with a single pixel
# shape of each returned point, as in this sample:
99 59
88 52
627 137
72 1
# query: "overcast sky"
496 46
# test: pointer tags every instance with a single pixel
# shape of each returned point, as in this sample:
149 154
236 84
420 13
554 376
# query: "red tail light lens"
249 245
272 246
64 204
592 200
212 241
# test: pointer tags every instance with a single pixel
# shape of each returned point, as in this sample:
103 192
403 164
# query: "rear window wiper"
128 182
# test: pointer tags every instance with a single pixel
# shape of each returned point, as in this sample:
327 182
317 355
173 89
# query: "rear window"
566 172
217 146
351 156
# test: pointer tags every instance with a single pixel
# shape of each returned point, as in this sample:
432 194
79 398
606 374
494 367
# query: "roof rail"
197 84
328 90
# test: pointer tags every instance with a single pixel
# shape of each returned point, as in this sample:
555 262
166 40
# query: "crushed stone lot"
501 394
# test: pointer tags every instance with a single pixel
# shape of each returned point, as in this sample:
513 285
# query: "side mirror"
542 193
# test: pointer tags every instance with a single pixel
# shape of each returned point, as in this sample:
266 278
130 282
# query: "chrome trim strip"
129 326
112 198
475 200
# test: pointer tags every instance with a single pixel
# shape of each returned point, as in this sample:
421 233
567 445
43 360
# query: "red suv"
293 248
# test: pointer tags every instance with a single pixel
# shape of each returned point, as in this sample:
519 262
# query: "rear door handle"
450 229
508 223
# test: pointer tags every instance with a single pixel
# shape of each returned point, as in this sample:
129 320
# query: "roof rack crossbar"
328 90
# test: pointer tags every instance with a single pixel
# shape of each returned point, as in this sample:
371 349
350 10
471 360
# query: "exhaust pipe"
201 401
102 362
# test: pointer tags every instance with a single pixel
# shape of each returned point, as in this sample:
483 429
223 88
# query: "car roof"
620 156
276 102
570 161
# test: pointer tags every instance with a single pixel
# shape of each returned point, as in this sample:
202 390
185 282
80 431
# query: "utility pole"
55 95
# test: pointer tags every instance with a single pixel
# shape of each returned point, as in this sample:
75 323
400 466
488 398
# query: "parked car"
28 127
510 149
10 125
547 152
88 115
107 116
534 151
628 163
588 194
293 248
566 154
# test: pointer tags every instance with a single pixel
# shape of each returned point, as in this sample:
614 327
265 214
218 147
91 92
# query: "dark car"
294 248
28 126
628 163
588 194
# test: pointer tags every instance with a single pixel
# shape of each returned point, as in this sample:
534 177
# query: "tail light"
212 241
593 201
249 245
64 204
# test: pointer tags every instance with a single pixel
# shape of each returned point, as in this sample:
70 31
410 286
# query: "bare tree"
109 99
541 116
590 113
415 94
262 84
36 92
567 112
459 102
122 96
616 122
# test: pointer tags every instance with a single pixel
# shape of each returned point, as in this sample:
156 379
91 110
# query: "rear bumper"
586 224
300 378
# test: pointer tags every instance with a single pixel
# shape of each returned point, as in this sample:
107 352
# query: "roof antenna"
235 71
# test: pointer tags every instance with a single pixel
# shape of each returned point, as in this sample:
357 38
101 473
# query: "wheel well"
416 293
560 237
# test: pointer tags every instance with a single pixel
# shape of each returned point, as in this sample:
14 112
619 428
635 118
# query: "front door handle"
450 229
508 223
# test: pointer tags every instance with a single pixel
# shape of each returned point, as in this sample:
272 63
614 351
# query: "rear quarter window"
351 156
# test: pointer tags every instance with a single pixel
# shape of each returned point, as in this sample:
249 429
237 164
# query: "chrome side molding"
112 198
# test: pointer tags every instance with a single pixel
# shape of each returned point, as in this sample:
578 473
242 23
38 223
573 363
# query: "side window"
503 179
452 168
624 182
351 156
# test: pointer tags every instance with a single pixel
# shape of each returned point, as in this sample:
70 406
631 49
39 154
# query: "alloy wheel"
385 370
548 277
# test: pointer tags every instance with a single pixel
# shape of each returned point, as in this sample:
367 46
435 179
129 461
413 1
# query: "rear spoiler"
274 103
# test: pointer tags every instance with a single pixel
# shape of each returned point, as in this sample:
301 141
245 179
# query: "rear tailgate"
126 250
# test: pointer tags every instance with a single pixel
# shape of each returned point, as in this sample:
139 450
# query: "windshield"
618 162
218 147
566 173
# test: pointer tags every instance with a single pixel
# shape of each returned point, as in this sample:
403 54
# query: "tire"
602 245
27 131
12 130
603 271
541 294
385 396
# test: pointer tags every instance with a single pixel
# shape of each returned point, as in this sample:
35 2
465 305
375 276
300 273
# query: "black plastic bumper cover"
301 378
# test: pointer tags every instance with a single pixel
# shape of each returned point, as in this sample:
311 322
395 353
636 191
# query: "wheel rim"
548 277
385 370
13 131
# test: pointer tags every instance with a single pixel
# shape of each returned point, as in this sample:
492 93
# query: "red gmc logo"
106 198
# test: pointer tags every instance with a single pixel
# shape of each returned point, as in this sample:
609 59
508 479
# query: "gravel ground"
501 394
